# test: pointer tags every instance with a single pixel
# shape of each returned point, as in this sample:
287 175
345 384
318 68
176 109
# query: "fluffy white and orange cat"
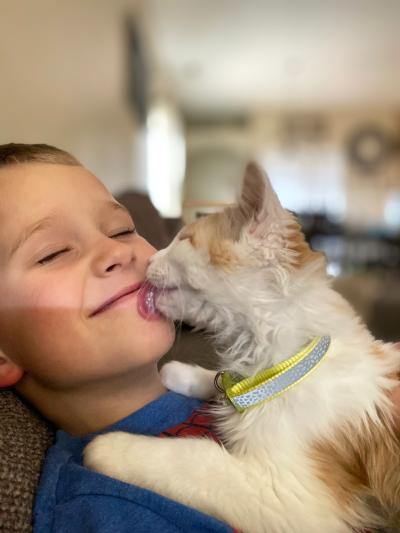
323 455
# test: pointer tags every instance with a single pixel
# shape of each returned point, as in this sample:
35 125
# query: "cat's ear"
258 200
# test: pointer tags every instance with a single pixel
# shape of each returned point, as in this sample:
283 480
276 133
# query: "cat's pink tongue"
146 302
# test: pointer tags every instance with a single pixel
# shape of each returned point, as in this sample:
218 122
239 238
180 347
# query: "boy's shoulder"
73 498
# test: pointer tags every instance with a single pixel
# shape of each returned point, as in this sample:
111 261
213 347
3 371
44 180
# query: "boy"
80 340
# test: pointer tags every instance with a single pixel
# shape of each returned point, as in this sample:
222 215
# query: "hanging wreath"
368 147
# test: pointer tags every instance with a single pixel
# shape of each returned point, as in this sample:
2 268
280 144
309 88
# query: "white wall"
309 174
62 82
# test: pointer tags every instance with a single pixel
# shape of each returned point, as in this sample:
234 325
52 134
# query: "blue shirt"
73 499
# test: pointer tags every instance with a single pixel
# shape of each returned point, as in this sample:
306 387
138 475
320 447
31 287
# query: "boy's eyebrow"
30 230
117 206
46 222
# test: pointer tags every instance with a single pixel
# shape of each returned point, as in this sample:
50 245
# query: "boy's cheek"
25 330
32 317
51 297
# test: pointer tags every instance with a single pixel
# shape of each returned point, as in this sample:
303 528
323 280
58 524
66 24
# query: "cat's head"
225 268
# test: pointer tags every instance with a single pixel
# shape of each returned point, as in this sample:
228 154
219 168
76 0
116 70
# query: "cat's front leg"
196 472
190 380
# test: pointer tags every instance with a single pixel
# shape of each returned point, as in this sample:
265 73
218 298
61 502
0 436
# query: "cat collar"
274 381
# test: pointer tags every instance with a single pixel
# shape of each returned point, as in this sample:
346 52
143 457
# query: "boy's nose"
114 255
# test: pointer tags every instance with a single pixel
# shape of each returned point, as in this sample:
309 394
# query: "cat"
320 453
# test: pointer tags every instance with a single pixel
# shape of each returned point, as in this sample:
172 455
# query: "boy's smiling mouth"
118 297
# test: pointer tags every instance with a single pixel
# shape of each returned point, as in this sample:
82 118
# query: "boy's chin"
162 338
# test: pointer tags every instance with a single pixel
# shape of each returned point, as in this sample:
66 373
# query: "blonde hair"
17 153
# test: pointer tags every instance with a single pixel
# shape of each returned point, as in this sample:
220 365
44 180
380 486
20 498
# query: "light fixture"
165 158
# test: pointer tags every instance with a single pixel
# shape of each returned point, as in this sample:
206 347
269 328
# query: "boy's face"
64 252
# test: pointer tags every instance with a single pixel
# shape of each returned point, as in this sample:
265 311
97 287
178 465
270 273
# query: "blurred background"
166 100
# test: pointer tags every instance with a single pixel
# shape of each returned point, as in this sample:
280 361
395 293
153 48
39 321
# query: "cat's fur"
324 456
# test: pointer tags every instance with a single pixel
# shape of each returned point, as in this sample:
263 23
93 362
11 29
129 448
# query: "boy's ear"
258 200
10 373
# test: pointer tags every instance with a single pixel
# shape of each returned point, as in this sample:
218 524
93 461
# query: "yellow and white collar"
274 381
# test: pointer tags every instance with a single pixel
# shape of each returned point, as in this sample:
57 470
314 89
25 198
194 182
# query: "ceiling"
64 59
227 56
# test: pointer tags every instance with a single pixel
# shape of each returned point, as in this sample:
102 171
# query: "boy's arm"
104 514
108 511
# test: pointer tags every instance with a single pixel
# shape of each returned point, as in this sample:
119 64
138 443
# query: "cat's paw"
190 380
177 377
115 454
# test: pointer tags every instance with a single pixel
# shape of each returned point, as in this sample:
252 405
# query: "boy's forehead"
25 186
32 175
33 191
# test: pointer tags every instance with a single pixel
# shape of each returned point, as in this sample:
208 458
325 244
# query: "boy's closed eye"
126 232
48 258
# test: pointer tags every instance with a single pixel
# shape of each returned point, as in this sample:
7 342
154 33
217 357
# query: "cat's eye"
185 235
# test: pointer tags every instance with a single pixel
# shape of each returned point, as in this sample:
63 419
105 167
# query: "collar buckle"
218 381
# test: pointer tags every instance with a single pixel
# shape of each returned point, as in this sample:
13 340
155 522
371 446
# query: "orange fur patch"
215 234
361 467
187 232
222 255
296 242
379 351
